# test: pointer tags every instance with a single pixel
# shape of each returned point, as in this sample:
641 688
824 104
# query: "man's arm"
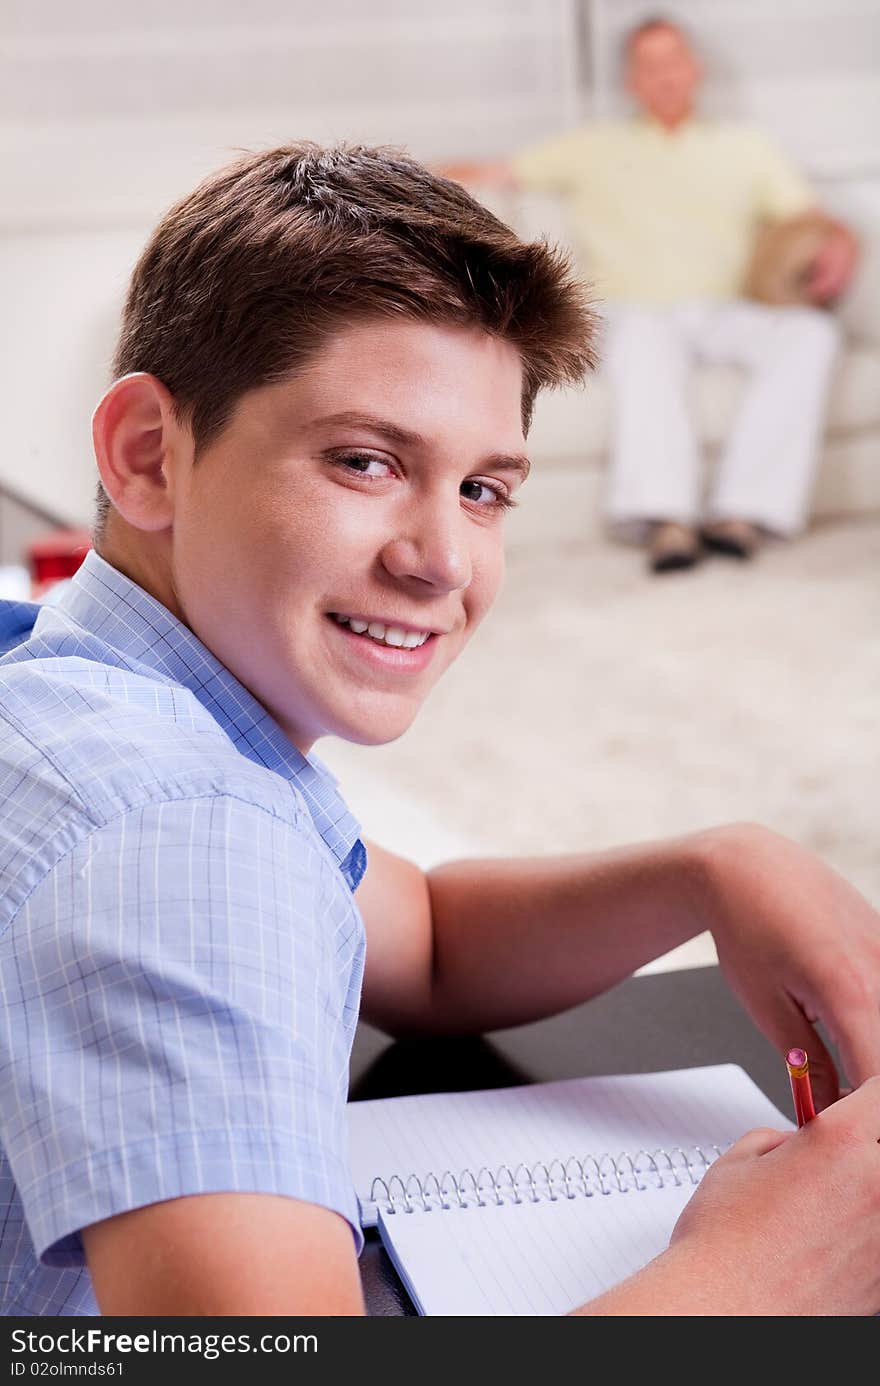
556 163
229 1253
478 945
494 172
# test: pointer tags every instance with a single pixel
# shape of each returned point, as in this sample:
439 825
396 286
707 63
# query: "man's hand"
833 267
798 945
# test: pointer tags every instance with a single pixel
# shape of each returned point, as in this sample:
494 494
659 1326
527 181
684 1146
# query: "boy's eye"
363 463
486 496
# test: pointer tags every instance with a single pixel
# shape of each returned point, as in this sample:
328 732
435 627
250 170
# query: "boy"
324 380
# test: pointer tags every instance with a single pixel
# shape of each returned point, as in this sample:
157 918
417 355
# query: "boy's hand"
798 945
790 1223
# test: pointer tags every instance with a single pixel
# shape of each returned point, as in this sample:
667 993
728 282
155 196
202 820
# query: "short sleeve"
782 191
556 164
179 995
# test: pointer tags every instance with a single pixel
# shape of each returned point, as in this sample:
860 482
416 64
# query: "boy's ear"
137 439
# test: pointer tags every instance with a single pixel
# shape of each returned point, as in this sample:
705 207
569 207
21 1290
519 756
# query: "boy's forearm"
518 940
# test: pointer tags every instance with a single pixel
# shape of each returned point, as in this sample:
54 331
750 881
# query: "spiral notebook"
532 1200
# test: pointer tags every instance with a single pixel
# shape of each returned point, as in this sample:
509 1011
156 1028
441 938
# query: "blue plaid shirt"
180 951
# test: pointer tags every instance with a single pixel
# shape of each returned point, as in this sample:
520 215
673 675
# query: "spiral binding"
571 1178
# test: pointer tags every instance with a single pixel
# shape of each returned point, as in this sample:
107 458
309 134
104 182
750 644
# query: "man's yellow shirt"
660 216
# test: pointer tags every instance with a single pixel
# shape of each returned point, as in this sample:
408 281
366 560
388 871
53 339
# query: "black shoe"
736 538
672 547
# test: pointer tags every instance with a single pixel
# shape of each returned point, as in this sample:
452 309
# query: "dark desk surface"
661 1021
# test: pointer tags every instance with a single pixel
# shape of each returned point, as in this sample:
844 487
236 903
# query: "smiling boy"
321 397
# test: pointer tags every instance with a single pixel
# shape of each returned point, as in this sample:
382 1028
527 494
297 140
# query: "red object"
799 1075
56 555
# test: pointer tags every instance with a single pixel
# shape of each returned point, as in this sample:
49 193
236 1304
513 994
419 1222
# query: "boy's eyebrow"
502 461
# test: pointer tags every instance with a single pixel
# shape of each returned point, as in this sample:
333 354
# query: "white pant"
768 465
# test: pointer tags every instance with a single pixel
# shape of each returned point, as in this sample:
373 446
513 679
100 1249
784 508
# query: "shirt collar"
645 121
141 631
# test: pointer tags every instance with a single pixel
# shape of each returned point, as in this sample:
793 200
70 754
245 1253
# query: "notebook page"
532 1259
708 1106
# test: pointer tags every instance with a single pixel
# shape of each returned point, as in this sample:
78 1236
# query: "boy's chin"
374 736
378 728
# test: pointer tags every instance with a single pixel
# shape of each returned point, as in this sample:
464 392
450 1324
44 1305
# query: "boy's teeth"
395 636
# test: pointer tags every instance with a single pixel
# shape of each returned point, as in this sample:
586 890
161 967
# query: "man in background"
668 208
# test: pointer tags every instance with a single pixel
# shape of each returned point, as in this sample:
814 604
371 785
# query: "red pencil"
799 1073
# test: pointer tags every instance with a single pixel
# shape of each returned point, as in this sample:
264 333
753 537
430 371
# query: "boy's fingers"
758 1142
859 1044
861 1106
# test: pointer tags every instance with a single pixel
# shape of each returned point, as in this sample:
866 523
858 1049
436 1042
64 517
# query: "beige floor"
598 705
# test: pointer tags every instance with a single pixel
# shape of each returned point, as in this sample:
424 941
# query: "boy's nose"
432 548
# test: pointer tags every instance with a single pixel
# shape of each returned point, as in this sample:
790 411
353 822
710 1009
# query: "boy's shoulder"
83 743
117 737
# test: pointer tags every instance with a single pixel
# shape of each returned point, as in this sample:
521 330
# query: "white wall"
61 292
109 111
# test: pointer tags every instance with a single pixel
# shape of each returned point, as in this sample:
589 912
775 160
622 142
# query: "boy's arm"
478 945
771 1205
224 1254
482 944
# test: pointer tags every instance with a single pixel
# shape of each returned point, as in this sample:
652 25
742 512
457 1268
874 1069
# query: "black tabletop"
660 1021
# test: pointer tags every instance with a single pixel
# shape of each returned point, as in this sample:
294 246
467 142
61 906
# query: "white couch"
569 438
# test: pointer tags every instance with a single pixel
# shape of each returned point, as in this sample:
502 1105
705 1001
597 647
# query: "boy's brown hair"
245 278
